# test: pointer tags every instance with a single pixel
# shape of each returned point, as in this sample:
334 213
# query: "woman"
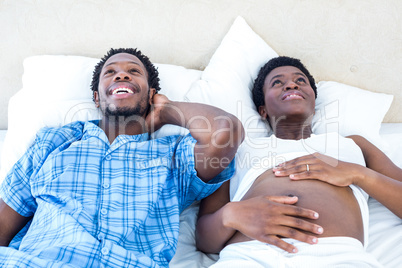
278 205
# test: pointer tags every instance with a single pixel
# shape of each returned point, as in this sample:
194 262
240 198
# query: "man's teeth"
122 90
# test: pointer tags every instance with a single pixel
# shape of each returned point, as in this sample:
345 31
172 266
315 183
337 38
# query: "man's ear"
96 99
152 93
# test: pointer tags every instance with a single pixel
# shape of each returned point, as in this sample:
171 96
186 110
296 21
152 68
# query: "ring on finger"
308 167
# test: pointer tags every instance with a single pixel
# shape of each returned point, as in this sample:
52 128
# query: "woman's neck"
292 131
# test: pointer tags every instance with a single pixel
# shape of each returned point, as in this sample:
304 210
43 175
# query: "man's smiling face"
123 87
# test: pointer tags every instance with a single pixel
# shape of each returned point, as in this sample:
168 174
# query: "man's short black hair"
258 88
153 78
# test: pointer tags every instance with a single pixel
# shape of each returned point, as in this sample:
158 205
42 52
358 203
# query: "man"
102 193
244 231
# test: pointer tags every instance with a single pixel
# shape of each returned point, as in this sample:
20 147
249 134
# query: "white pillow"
51 78
176 80
228 79
56 91
350 111
57 77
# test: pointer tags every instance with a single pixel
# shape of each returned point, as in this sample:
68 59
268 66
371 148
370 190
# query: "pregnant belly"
337 206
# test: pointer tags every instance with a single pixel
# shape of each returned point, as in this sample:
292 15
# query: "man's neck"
115 126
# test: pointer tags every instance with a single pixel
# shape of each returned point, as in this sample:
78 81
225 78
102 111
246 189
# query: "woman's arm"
211 233
381 179
10 223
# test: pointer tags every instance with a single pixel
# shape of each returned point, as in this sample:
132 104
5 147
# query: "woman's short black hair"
153 78
258 88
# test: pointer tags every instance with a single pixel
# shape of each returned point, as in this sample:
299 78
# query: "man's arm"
217 132
263 218
10 223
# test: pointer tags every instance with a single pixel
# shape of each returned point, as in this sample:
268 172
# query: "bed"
210 51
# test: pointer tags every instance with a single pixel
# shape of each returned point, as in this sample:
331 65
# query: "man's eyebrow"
302 74
114 62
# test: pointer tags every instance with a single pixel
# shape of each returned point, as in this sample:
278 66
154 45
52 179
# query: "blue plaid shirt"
96 204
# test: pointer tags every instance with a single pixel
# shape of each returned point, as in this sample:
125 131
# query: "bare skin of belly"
338 208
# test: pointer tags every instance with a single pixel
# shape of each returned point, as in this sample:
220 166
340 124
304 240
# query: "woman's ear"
96 99
262 112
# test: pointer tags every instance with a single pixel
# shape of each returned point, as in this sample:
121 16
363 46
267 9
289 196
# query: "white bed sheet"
390 128
385 228
2 137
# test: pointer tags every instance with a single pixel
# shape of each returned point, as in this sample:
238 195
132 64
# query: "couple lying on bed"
101 193
258 228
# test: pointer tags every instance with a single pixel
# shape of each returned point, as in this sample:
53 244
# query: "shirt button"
106 185
103 211
101 236
105 250
108 157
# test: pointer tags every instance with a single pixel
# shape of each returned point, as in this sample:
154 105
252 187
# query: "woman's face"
288 95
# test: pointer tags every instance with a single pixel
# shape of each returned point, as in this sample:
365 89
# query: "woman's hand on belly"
320 167
331 202
266 218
